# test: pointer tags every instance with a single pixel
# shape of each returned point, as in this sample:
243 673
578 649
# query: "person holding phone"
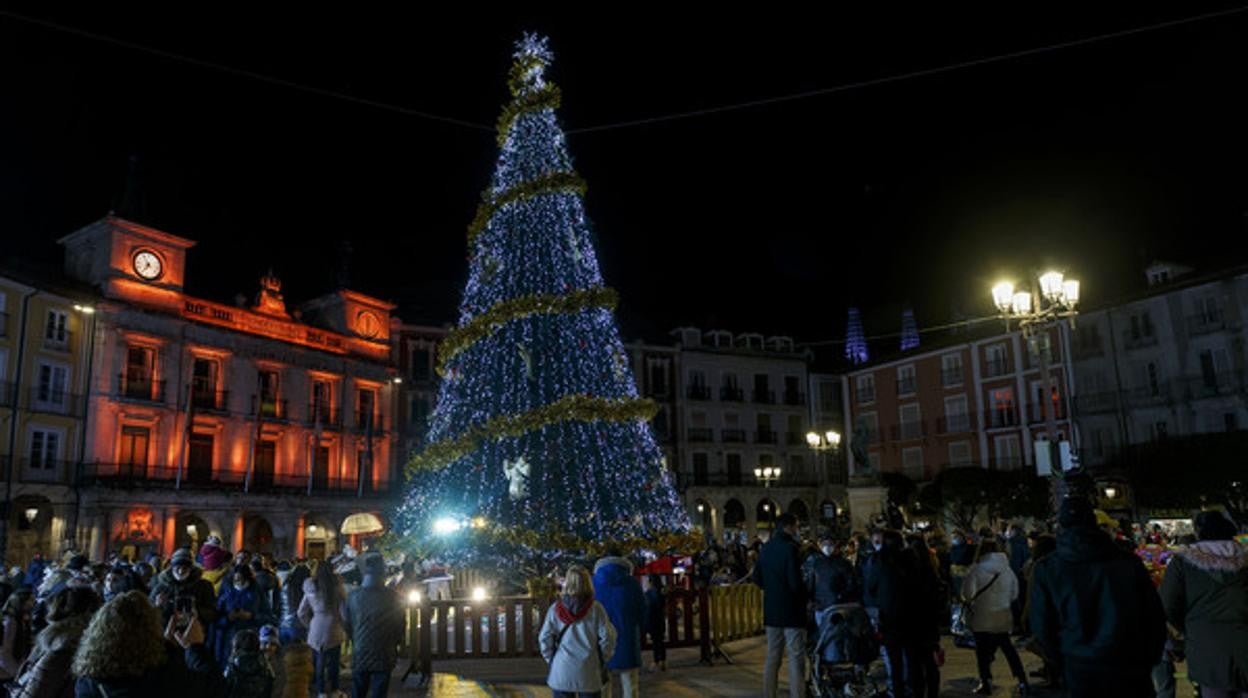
184 580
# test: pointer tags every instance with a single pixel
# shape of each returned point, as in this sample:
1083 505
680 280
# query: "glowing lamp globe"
1051 285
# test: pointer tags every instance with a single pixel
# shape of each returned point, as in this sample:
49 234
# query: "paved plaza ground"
516 678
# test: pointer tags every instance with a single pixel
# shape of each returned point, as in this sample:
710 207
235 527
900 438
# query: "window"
697 419
1153 376
1002 408
658 378
867 426
912 463
700 469
366 398
762 389
55 332
906 383
796 463
139 369
420 411
764 435
134 447
951 369
697 378
911 424
422 363
1160 430
51 389
732 462
1141 326
960 454
766 459
45 448
997 361
1213 368
956 418
1008 453
829 396
204 382
323 401
795 429
792 391
1040 346
866 388
1208 311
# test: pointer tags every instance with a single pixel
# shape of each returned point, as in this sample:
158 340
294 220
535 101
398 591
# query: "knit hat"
1076 511
181 556
213 540
268 634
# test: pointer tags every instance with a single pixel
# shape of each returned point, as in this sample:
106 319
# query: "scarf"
570 609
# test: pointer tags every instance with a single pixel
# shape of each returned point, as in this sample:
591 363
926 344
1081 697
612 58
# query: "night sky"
774 218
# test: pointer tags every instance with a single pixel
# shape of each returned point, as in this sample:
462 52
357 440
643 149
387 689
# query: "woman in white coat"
989 588
576 639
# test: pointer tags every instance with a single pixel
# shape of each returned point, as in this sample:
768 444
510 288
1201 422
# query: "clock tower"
127 260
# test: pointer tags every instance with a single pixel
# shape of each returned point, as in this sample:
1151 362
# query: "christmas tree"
855 339
909 330
540 447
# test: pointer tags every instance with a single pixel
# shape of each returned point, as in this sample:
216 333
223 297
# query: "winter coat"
48 671
1205 593
656 612
574 667
962 554
297 661
1094 608
325 625
830 580
232 599
15 646
248 676
217 578
779 572
189 673
214 558
1019 552
267 587
990 612
374 621
291 598
195 586
620 594
893 581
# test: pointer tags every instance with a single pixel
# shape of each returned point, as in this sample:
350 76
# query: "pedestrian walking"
990 589
374 622
576 638
621 595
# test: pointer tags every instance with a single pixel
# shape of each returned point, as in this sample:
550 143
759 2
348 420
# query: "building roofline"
113 221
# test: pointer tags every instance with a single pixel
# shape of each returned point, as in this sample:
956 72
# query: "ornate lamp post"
767 475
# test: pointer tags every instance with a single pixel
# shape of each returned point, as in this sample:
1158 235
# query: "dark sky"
772 218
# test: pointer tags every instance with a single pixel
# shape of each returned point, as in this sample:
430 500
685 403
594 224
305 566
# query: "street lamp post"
1036 314
767 475
823 444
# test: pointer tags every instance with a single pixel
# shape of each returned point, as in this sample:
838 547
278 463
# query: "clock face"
147 265
368 324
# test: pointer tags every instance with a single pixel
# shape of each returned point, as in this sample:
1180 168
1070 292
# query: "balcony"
268 407
731 394
1035 413
794 438
1148 395
1001 418
698 392
865 396
733 436
1138 341
137 476
1213 385
58 343
327 415
209 400
907 386
765 436
140 388
955 424
908 431
55 402
951 377
687 480
701 435
1092 403
1205 323
994 368
794 398
365 421
764 397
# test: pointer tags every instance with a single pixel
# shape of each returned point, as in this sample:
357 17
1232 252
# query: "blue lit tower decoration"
540 446
855 339
909 330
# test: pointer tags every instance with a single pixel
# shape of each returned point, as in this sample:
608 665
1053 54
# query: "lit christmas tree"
855 339
540 447
909 330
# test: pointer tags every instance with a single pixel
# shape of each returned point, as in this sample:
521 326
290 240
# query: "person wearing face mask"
184 578
239 608
829 577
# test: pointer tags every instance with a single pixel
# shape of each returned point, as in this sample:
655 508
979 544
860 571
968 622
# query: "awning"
363 522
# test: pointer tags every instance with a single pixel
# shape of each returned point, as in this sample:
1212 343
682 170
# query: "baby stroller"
840 657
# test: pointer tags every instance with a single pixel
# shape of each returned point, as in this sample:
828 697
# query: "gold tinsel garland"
584 408
549 97
481 326
568 182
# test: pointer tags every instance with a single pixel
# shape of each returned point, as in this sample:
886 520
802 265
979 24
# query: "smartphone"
184 605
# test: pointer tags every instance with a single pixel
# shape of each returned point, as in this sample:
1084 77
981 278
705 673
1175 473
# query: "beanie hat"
1076 511
213 540
181 556
268 634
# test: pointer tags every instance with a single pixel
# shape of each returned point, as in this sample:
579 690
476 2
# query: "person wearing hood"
248 674
828 576
239 608
1205 594
15 624
1094 610
322 611
215 560
46 673
183 578
575 639
375 622
620 594
990 587
124 653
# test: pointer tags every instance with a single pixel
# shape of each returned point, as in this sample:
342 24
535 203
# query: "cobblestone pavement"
524 678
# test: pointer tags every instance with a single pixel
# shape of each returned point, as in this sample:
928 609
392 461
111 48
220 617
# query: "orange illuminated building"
263 425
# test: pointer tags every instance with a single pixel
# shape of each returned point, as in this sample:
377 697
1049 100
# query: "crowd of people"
211 623
1081 599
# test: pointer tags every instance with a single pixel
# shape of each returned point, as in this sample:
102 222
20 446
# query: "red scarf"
567 616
